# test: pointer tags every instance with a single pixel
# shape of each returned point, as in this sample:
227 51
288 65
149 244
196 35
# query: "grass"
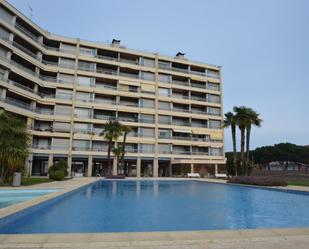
299 183
32 181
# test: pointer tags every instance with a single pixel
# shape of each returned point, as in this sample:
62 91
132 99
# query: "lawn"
32 181
299 183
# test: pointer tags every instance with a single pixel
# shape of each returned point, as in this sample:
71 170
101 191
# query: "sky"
262 46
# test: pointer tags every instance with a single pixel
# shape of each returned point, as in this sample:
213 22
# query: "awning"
182 131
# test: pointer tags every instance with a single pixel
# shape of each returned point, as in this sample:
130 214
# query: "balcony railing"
26 32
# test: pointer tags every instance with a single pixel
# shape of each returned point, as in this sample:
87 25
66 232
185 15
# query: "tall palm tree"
125 130
253 119
242 122
230 121
111 132
14 140
117 151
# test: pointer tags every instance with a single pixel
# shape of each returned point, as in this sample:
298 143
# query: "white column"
155 168
138 167
115 162
50 160
192 168
89 169
70 165
216 168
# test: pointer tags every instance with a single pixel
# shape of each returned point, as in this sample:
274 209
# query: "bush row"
259 181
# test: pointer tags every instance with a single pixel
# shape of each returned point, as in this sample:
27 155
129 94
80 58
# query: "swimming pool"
128 206
9 197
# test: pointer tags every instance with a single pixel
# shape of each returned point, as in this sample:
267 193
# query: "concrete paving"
227 239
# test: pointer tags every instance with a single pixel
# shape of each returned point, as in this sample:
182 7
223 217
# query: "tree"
117 151
252 119
14 140
125 130
111 132
230 121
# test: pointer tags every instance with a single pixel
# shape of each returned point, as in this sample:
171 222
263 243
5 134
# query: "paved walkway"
231 239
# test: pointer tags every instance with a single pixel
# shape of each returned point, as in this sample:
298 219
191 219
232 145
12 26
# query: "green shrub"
57 175
58 171
259 181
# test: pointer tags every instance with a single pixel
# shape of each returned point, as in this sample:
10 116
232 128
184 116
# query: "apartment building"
66 89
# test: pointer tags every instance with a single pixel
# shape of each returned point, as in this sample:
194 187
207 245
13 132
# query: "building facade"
65 89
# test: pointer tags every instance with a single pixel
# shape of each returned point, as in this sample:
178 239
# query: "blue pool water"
127 206
13 196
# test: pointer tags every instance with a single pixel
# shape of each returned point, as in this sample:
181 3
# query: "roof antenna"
31 11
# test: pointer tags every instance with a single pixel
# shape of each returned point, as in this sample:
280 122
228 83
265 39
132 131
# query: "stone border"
126 239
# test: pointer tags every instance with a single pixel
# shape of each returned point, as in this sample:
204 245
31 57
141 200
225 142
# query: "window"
213 98
213 110
164 105
147 132
164 65
164 91
83 96
86 66
147 88
5 15
147 103
65 78
164 78
215 151
215 124
147 62
147 76
85 81
68 47
67 63
87 51
82 128
82 113
164 148
212 74
146 148
63 110
61 143
4 33
165 133
3 52
213 86
81 145
64 94
147 118
61 127
163 119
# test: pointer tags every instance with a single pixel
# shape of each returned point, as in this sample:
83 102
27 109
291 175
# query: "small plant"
58 171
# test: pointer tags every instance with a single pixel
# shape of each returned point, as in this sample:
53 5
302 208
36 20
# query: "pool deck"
296 238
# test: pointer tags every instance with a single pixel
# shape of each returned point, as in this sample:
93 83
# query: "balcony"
26 32
180 83
24 49
107 71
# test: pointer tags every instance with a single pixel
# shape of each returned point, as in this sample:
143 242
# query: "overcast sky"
262 45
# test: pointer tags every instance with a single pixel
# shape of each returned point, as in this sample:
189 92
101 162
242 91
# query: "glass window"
5 15
87 51
147 103
67 63
212 74
86 66
65 78
61 143
63 110
163 119
147 62
85 81
82 127
61 127
83 96
68 47
213 110
215 124
147 132
164 148
63 94
215 151
80 144
164 105
82 112
146 148
213 98
165 133
147 118
4 33
147 76
164 91
213 86
164 78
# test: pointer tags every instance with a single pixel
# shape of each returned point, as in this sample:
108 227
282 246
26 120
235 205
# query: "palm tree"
242 122
13 144
125 130
117 152
230 120
111 132
253 119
